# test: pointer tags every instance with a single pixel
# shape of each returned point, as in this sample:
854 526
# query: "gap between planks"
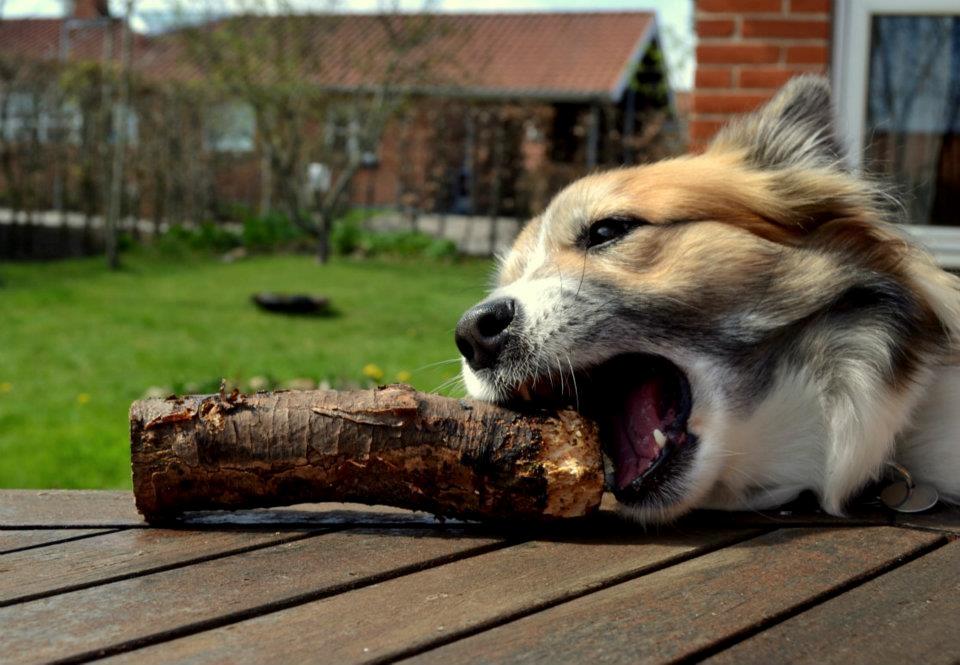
612 582
796 610
523 636
278 605
84 533
164 567
266 610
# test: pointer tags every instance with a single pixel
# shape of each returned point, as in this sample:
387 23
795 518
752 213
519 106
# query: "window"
25 116
132 132
231 127
897 83
20 115
342 133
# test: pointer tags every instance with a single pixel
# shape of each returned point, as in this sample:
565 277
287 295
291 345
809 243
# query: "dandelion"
83 398
258 383
6 387
403 376
372 371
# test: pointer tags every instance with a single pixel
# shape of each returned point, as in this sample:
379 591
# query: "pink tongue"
637 449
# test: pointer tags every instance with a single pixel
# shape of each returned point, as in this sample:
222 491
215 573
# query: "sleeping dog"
744 324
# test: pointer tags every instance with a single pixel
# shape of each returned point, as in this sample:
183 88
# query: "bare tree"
275 63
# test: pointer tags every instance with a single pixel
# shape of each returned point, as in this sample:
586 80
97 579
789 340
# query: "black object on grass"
292 303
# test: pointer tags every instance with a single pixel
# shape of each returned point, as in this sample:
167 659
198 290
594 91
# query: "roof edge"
479 93
639 49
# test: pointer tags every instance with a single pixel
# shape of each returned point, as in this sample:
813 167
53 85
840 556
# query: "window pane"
231 127
913 112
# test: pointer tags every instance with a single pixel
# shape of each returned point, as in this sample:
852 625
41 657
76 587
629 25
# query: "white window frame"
852 21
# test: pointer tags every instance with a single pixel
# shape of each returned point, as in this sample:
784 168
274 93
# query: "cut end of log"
391 446
573 461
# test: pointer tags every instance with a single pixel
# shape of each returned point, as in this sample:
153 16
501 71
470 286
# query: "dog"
744 324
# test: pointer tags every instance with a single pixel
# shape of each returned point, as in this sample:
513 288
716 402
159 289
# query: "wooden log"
392 446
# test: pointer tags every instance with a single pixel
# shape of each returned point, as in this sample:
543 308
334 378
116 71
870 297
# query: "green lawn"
78 344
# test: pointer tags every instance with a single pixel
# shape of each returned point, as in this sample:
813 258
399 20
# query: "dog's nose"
482 332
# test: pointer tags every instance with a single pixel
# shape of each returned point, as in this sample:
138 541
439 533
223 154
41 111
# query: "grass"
78 344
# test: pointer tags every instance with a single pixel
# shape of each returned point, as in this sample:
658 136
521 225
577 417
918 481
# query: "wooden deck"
82 578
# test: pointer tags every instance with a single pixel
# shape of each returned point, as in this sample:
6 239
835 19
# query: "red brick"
736 54
811 55
714 77
702 131
786 29
811 6
739 6
728 102
717 28
767 77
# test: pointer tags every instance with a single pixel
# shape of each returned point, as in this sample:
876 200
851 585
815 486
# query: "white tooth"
660 438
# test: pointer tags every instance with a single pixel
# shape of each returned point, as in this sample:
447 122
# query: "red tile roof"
556 56
553 55
50 39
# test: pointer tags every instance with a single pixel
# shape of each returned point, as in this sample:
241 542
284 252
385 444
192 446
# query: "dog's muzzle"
483 332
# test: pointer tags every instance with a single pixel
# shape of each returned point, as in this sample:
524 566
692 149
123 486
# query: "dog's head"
710 312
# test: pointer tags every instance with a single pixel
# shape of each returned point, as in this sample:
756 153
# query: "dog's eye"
604 230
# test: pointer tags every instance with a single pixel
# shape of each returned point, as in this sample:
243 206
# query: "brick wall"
749 48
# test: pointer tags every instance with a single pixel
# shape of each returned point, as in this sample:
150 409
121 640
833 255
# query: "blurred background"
161 163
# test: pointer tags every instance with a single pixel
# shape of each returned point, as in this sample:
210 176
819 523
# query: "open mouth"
642 404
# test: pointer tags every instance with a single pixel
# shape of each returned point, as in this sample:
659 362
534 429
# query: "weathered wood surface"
99 618
918 605
14 540
442 602
348 584
41 571
392 445
681 611
66 508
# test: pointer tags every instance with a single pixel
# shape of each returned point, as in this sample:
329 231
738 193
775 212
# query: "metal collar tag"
903 494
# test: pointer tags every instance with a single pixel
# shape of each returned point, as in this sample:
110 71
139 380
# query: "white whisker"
573 378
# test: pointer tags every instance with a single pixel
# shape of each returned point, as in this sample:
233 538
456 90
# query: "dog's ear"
796 128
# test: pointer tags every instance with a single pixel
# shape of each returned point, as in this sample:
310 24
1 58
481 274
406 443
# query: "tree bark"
392 446
323 237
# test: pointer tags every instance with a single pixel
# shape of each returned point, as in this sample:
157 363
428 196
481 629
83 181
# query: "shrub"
215 237
442 249
206 237
275 231
346 237
270 231
349 238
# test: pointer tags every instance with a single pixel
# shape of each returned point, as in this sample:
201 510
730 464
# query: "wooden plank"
70 509
378 621
91 508
101 617
676 612
67 508
909 615
943 517
11 541
29 573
